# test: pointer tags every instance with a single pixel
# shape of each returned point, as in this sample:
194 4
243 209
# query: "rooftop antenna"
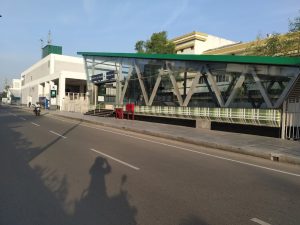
49 38
42 46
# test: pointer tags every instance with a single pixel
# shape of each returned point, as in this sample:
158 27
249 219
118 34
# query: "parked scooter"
37 109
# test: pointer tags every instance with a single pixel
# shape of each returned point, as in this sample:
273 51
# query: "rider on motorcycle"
37 109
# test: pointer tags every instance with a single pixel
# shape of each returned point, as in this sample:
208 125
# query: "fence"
75 102
260 117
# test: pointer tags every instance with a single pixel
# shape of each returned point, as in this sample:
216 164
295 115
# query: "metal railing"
260 117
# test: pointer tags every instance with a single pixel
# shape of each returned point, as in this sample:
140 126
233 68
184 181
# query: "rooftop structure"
198 42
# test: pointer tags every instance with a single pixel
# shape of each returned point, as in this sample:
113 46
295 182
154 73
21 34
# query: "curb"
286 158
274 156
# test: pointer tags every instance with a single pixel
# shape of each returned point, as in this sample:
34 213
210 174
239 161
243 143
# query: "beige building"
198 43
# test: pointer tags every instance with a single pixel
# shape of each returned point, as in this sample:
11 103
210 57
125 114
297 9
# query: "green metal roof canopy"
267 60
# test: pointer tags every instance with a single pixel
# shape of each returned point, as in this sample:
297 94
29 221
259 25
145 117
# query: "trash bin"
119 113
130 110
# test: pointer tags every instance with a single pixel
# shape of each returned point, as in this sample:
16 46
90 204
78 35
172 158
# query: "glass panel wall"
154 82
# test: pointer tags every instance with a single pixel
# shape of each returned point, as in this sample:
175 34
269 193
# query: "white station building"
53 80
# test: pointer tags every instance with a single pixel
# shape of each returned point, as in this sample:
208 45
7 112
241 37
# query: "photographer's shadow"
96 207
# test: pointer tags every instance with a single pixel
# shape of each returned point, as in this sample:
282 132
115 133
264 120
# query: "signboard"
110 75
53 93
103 78
100 98
97 78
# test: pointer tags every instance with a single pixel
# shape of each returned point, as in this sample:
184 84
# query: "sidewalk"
259 146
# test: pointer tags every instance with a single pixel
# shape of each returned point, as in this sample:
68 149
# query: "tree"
158 44
294 25
273 45
5 89
267 47
140 47
278 45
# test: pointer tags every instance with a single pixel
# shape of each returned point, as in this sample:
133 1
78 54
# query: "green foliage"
158 44
140 47
275 45
294 25
5 89
278 45
268 47
4 94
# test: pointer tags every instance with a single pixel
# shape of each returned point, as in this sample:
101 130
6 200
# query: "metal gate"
292 130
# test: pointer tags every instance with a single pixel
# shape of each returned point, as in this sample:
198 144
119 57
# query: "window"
201 80
222 78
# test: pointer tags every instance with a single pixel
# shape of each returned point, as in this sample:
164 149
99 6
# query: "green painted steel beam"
266 60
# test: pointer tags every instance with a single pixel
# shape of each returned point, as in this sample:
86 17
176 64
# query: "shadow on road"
192 220
96 207
38 195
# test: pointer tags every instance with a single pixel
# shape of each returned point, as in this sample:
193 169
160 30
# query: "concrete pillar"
61 90
47 90
96 94
283 120
203 124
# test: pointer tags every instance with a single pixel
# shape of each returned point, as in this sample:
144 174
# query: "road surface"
57 171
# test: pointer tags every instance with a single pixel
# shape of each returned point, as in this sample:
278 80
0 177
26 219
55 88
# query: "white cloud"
175 13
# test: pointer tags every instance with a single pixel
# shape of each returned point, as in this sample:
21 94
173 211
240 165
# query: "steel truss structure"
164 84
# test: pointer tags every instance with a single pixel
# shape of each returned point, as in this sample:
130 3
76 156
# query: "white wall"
211 42
37 79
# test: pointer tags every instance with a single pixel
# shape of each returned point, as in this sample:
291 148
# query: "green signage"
53 93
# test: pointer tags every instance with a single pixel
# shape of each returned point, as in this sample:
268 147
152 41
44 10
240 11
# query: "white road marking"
35 124
124 163
190 150
259 221
57 134
22 118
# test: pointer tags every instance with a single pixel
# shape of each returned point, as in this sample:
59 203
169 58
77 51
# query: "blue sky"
115 25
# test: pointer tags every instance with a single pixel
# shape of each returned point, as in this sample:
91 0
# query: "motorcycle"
37 110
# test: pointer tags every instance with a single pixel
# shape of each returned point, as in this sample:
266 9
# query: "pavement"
264 147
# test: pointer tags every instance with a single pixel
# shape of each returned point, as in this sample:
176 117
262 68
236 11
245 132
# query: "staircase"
101 112
295 93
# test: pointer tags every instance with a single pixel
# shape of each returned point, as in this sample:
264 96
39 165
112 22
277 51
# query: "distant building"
14 92
198 42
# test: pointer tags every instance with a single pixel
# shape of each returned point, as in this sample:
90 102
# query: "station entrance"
243 90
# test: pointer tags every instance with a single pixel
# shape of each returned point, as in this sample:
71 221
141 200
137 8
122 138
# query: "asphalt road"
57 171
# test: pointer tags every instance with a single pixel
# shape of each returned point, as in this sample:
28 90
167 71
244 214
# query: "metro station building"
235 90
